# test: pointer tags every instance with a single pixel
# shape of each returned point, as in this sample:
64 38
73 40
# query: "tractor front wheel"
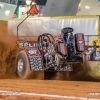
23 68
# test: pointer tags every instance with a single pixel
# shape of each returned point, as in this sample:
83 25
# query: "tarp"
37 26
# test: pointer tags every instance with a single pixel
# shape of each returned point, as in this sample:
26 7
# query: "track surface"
54 87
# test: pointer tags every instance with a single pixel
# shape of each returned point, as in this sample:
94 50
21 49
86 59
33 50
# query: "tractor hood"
61 8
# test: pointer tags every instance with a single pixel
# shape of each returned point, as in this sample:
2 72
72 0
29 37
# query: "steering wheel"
46 37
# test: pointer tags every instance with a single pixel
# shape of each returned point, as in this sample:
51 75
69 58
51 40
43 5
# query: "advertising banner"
96 39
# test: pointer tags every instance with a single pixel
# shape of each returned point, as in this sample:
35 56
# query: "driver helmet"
45 42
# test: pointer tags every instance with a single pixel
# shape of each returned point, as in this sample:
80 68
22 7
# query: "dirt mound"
8 59
81 73
8 53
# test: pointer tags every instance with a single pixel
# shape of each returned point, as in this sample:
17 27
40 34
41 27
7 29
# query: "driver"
45 43
93 51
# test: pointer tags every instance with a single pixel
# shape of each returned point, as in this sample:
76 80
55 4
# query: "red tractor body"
56 54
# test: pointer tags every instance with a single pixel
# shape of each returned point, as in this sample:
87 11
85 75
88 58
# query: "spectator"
93 51
98 54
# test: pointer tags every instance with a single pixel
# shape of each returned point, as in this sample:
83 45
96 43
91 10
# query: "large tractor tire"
23 67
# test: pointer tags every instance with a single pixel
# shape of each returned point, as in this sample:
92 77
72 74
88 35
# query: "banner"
97 40
38 25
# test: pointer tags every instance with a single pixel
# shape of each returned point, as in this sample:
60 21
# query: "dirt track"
62 88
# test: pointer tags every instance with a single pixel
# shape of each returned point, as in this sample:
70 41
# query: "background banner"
38 25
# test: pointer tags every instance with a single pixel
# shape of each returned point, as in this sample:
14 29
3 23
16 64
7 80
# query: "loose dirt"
8 54
8 62
49 87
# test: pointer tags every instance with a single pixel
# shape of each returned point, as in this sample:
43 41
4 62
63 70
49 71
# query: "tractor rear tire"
23 67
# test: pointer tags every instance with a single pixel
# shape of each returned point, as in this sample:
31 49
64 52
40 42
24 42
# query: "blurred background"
24 5
86 7
18 8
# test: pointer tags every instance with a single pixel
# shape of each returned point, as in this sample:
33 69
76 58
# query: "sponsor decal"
80 42
32 51
26 44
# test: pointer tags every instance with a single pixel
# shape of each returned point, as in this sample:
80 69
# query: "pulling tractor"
49 53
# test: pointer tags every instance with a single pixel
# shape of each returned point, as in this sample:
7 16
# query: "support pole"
20 24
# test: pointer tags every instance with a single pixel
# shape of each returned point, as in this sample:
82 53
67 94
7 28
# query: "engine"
62 50
72 43
69 40
66 42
